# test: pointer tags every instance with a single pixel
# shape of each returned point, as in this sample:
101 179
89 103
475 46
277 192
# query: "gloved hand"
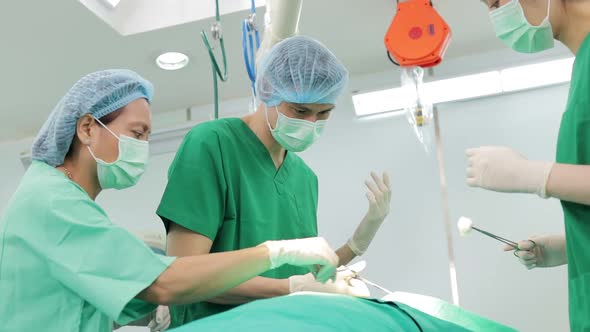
312 252
161 321
379 196
344 284
503 169
549 251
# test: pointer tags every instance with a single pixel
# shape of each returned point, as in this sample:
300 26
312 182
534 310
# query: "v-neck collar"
281 174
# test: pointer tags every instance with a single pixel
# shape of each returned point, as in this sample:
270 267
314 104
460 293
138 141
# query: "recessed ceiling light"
172 60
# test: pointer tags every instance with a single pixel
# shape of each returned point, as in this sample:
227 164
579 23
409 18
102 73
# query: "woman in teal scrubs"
531 26
64 266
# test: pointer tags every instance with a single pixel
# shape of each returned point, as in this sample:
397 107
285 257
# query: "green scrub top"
63 265
224 185
573 147
324 313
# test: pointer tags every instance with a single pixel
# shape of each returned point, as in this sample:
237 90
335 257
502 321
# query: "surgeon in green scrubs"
531 26
64 266
236 182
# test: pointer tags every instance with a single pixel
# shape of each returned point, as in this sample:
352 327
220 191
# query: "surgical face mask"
295 135
129 166
515 31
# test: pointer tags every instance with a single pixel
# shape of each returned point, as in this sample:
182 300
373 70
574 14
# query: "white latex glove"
550 251
311 252
344 284
161 321
503 169
379 196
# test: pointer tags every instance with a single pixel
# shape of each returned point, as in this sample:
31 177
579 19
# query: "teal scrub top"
573 147
326 313
63 265
224 185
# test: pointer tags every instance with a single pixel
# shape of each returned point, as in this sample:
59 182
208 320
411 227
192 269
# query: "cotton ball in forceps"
464 225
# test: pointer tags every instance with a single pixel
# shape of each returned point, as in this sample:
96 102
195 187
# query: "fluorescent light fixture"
467 87
464 87
379 101
537 75
380 116
172 60
111 3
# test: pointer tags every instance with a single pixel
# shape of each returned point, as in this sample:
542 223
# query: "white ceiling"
48 45
136 16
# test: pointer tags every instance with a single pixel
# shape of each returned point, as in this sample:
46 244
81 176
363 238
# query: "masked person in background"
237 181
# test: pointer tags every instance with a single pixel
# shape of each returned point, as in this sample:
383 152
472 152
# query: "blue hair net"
300 70
98 94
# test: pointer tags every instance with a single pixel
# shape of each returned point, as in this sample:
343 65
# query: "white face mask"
295 135
129 166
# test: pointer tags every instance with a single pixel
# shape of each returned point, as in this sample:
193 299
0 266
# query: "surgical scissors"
506 241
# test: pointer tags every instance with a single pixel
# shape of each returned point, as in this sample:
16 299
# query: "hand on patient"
312 252
344 284
379 196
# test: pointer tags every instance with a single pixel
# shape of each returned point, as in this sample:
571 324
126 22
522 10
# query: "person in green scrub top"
64 266
237 181
531 26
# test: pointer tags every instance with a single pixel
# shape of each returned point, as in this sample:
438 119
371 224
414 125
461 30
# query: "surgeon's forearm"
198 278
570 183
253 289
345 254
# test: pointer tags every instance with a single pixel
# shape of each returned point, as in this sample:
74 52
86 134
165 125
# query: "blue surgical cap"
98 94
300 70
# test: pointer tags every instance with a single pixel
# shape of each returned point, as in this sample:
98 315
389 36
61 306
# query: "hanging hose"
250 35
217 35
444 192
248 32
